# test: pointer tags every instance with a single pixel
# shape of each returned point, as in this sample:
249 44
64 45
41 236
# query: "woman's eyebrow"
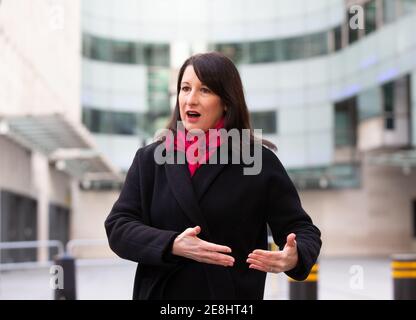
184 82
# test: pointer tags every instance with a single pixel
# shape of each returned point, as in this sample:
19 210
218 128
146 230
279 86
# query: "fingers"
197 230
267 261
264 253
257 267
207 252
257 264
209 246
291 240
216 258
205 244
192 231
212 254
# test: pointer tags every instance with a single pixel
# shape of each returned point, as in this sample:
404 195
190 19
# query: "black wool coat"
159 201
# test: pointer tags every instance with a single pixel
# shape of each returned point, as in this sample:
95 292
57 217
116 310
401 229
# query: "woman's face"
199 107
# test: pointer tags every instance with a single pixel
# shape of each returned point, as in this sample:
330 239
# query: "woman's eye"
185 89
205 90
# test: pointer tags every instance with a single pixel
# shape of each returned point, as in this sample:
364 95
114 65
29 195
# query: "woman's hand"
275 261
188 245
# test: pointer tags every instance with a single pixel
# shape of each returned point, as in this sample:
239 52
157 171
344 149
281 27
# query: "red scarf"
211 146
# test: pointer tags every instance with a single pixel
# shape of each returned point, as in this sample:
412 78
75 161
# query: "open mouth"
193 114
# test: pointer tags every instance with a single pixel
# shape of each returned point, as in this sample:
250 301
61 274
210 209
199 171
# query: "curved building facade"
331 82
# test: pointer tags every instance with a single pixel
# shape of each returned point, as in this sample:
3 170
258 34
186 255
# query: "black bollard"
403 268
306 289
68 291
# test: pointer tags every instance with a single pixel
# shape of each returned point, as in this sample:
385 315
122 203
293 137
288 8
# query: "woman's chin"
192 126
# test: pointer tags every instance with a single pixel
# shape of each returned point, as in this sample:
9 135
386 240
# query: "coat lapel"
188 190
206 174
180 183
179 180
204 177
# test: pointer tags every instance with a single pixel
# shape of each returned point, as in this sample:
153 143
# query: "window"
158 89
339 176
123 52
101 49
338 38
370 13
389 11
296 48
128 52
369 104
124 123
388 104
234 51
263 51
408 6
157 55
265 120
345 123
18 223
316 44
110 122
352 33
276 50
58 226
281 50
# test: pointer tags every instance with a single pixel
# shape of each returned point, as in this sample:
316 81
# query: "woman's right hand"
188 245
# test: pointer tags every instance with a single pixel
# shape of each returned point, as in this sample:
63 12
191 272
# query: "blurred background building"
45 151
84 84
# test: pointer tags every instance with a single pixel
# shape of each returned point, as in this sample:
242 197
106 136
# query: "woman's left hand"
275 261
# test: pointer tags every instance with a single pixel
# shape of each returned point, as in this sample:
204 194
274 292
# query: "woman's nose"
192 98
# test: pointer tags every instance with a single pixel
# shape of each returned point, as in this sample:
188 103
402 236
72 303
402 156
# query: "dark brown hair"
220 75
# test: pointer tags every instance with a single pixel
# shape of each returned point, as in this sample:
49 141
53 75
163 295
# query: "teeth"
192 113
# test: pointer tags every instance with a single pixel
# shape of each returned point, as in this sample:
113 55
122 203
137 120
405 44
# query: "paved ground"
339 278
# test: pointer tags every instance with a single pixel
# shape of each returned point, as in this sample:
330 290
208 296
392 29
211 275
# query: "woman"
199 230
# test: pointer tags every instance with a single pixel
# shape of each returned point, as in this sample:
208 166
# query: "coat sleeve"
128 234
286 215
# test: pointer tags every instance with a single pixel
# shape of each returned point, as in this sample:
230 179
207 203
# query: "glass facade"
332 120
338 176
345 123
110 122
370 16
124 123
389 11
408 6
337 38
353 33
117 51
388 105
158 90
369 104
18 223
265 120
276 50
314 44
58 226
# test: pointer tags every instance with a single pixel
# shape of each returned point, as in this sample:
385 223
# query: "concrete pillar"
76 215
41 182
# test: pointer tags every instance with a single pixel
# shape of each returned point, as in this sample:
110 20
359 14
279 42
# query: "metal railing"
27 245
65 259
72 244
